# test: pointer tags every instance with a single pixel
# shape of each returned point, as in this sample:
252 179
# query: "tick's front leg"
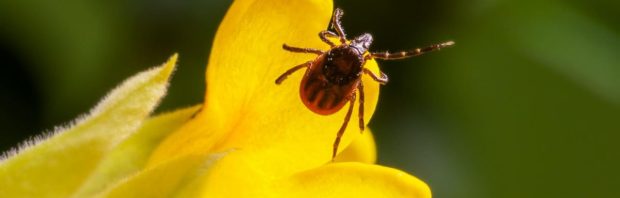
291 71
301 50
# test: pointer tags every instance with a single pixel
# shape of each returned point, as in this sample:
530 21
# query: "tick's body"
333 78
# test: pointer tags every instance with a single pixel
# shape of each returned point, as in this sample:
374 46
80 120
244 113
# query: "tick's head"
362 43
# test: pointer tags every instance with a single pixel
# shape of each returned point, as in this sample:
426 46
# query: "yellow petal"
362 149
171 178
131 155
239 175
246 110
56 167
352 179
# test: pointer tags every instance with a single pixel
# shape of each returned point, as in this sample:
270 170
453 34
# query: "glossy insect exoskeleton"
334 76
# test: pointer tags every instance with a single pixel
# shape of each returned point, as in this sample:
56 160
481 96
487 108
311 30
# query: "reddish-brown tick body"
331 79
334 76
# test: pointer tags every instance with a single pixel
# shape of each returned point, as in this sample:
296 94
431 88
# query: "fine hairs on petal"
34 140
107 102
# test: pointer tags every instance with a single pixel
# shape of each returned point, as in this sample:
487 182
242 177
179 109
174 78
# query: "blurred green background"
527 104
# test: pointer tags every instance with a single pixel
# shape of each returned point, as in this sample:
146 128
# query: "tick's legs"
326 33
360 89
301 50
290 71
410 53
344 125
336 25
382 80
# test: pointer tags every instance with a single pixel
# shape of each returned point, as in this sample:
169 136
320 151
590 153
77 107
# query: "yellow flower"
251 138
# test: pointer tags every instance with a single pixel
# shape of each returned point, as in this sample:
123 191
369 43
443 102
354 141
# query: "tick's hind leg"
291 71
382 80
360 89
344 125
301 50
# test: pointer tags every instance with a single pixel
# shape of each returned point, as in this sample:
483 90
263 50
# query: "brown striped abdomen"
322 96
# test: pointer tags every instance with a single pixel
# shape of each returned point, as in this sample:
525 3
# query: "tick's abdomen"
331 80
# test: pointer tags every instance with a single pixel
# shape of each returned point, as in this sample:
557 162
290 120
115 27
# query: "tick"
334 76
